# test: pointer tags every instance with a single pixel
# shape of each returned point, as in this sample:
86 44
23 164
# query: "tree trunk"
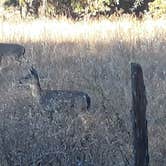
44 7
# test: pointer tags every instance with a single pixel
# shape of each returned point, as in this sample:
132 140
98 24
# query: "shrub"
157 8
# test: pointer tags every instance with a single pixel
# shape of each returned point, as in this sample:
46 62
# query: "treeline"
77 9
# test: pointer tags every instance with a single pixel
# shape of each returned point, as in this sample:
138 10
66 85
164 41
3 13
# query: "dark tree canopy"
80 8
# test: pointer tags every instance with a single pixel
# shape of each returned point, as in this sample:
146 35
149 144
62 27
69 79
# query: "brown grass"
93 57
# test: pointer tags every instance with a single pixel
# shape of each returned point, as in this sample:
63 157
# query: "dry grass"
92 31
93 57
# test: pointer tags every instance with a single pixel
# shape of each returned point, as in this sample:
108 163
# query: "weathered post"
138 112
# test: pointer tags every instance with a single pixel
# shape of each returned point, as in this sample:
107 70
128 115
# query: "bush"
157 8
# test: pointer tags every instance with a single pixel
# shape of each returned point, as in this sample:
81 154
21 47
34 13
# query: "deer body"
11 50
61 99
57 100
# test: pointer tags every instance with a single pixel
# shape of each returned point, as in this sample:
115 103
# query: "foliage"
11 3
81 8
95 7
75 7
158 8
90 6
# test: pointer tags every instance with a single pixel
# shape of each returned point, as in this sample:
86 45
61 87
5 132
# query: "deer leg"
50 116
0 63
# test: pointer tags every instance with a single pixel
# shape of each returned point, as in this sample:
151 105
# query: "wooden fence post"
138 112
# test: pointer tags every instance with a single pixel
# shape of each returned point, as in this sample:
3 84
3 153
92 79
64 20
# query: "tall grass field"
90 56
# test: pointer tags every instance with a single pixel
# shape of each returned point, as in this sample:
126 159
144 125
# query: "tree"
136 7
44 7
158 8
80 8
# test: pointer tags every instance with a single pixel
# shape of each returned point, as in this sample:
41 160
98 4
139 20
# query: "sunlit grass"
126 29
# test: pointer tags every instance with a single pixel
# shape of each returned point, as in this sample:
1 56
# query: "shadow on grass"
100 137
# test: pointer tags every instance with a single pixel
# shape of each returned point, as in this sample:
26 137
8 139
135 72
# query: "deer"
8 50
55 100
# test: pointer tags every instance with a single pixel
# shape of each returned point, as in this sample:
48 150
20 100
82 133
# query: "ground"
93 57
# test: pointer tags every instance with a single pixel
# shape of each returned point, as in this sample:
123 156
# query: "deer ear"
31 69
